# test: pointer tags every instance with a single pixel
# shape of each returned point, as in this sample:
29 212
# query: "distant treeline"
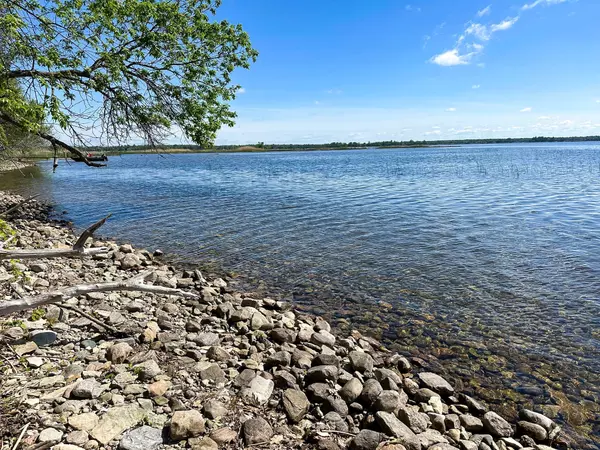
261 146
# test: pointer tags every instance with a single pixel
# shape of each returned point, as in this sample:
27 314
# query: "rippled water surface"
500 244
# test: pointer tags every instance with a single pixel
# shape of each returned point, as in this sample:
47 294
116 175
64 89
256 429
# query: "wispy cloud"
241 91
412 8
476 86
485 11
465 49
452 58
317 102
526 110
544 118
333 91
450 109
527 6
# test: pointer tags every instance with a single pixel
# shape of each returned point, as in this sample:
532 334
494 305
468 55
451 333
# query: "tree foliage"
119 69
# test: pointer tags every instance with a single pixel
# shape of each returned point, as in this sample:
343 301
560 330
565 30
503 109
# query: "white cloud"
598 101
476 86
317 102
566 123
434 132
412 8
450 109
544 118
485 11
452 58
541 2
241 91
526 110
505 24
333 91
478 30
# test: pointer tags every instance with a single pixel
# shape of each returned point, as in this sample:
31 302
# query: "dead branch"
90 318
133 284
77 250
17 206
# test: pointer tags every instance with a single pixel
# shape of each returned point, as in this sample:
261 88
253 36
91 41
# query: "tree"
119 69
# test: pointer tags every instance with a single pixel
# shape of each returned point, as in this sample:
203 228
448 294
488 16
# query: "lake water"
488 254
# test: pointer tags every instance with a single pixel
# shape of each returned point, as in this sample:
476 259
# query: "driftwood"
17 206
77 250
133 284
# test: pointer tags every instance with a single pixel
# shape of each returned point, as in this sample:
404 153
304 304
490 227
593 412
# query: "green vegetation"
262 147
135 68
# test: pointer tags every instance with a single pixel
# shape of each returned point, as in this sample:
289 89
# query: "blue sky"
352 70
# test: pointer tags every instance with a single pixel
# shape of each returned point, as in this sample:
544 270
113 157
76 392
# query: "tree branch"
18 205
133 284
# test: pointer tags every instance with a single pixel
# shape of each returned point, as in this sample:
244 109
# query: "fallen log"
133 284
78 250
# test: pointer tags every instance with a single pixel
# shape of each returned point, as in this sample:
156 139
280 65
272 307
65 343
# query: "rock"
532 430
496 425
258 392
389 401
431 437
217 354
223 436
393 427
204 339
35 362
471 423
325 359
118 353
260 322
436 383
351 390
85 421
147 370
213 373
296 404
282 335
537 418
204 443
130 261
335 422
49 435
323 337
89 388
473 404
77 437
256 431
321 373
371 390
24 349
416 421
361 361
318 392
279 359
158 388
214 409
66 447
43 338
117 420
186 424
366 440
142 438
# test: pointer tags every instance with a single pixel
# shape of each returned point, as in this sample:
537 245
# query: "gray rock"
214 409
50 434
473 404
260 322
117 420
436 383
318 392
325 359
186 424
148 369
204 339
257 431
415 420
322 373
337 404
371 390
389 401
366 440
77 437
361 361
537 418
335 422
119 352
35 362
142 438
43 338
296 404
471 423
393 427
496 425
279 359
258 391
218 354
85 421
89 388
532 430
213 373
283 335
452 421
431 437
351 390
323 337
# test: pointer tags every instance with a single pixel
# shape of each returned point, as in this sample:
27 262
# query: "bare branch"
18 205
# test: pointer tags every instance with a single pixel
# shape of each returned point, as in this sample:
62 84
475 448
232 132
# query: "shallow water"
497 246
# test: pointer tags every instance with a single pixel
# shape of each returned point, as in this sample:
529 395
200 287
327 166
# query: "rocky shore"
142 371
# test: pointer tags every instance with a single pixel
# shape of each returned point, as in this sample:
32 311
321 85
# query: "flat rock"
537 418
186 424
321 373
296 404
366 440
119 352
89 388
361 361
142 438
43 338
390 424
50 434
117 420
85 421
496 425
436 383
258 391
26 348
